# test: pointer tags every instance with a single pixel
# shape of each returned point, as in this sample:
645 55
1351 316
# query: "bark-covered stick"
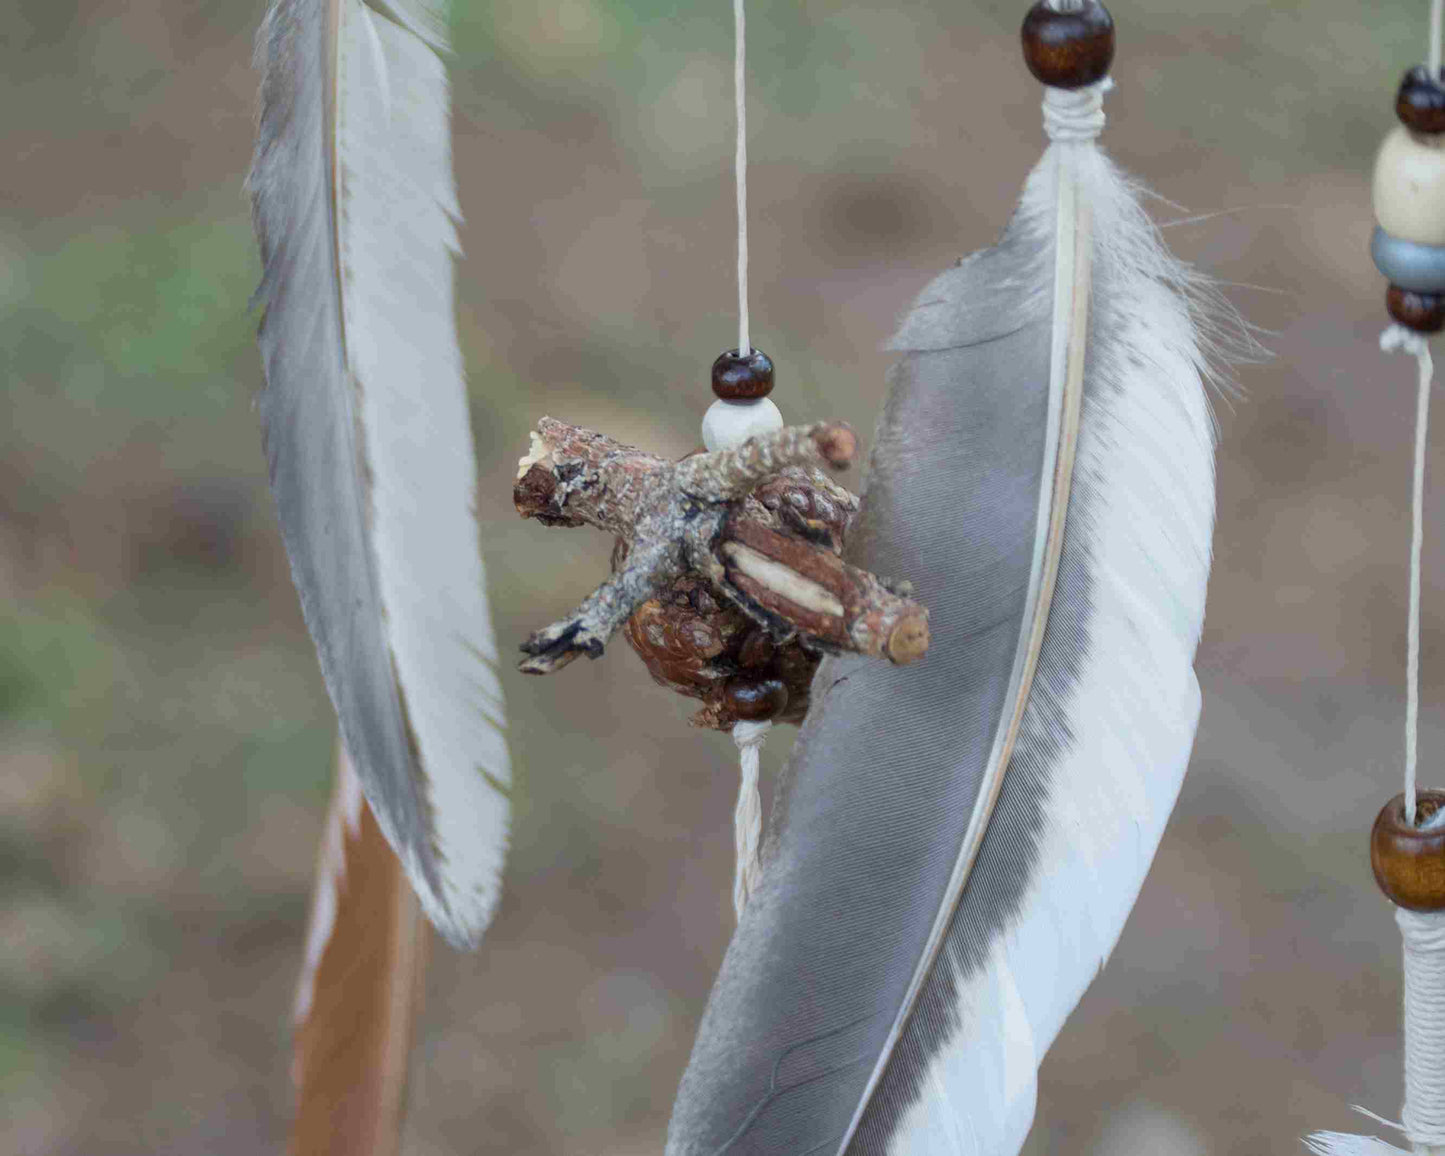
815 590
574 476
690 517
728 475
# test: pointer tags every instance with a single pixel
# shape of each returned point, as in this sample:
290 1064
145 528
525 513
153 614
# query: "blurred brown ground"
164 735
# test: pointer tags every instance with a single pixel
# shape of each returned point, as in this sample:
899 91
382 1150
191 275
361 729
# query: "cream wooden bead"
730 423
1410 187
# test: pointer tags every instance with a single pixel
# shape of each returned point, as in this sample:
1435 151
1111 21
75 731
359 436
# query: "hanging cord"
748 817
1437 7
1422 934
1398 338
741 171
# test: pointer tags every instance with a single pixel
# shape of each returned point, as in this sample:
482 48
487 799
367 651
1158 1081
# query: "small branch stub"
728 575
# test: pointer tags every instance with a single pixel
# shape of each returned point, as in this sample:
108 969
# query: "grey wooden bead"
1408 264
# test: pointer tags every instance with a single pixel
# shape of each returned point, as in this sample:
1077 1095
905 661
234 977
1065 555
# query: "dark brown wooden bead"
1420 103
738 378
1409 863
1069 49
1422 312
757 650
756 699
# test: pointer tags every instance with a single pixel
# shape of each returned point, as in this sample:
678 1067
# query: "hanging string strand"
1422 932
741 171
1437 17
1401 339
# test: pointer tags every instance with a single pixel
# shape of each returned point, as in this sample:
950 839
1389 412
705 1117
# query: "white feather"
1344 1144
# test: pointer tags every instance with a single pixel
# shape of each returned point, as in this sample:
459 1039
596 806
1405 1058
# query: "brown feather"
361 988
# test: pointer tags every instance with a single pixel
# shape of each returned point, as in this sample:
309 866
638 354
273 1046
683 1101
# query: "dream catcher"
1407 844
989 653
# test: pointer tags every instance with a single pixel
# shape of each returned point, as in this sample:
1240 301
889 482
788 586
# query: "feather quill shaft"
957 845
367 431
361 988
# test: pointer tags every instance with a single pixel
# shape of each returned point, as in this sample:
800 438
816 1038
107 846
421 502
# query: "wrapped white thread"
1423 935
1075 114
748 817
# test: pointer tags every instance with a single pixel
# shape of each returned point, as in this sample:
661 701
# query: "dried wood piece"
773 554
818 592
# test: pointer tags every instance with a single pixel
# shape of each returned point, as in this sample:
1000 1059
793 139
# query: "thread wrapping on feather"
1422 934
1076 114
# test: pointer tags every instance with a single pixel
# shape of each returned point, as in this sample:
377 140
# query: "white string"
1422 934
748 817
1398 338
741 173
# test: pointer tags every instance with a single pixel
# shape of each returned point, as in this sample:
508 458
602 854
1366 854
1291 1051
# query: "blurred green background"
165 739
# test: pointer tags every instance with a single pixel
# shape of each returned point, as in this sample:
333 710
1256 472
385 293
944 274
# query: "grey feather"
887 770
366 428
873 999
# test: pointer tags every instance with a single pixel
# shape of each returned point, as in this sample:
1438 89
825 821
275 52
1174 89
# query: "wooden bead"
1069 49
756 699
1409 187
1422 312
738 378
1420 103
1409 863
730 423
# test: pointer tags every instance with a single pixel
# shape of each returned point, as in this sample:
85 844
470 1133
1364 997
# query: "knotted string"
748 817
